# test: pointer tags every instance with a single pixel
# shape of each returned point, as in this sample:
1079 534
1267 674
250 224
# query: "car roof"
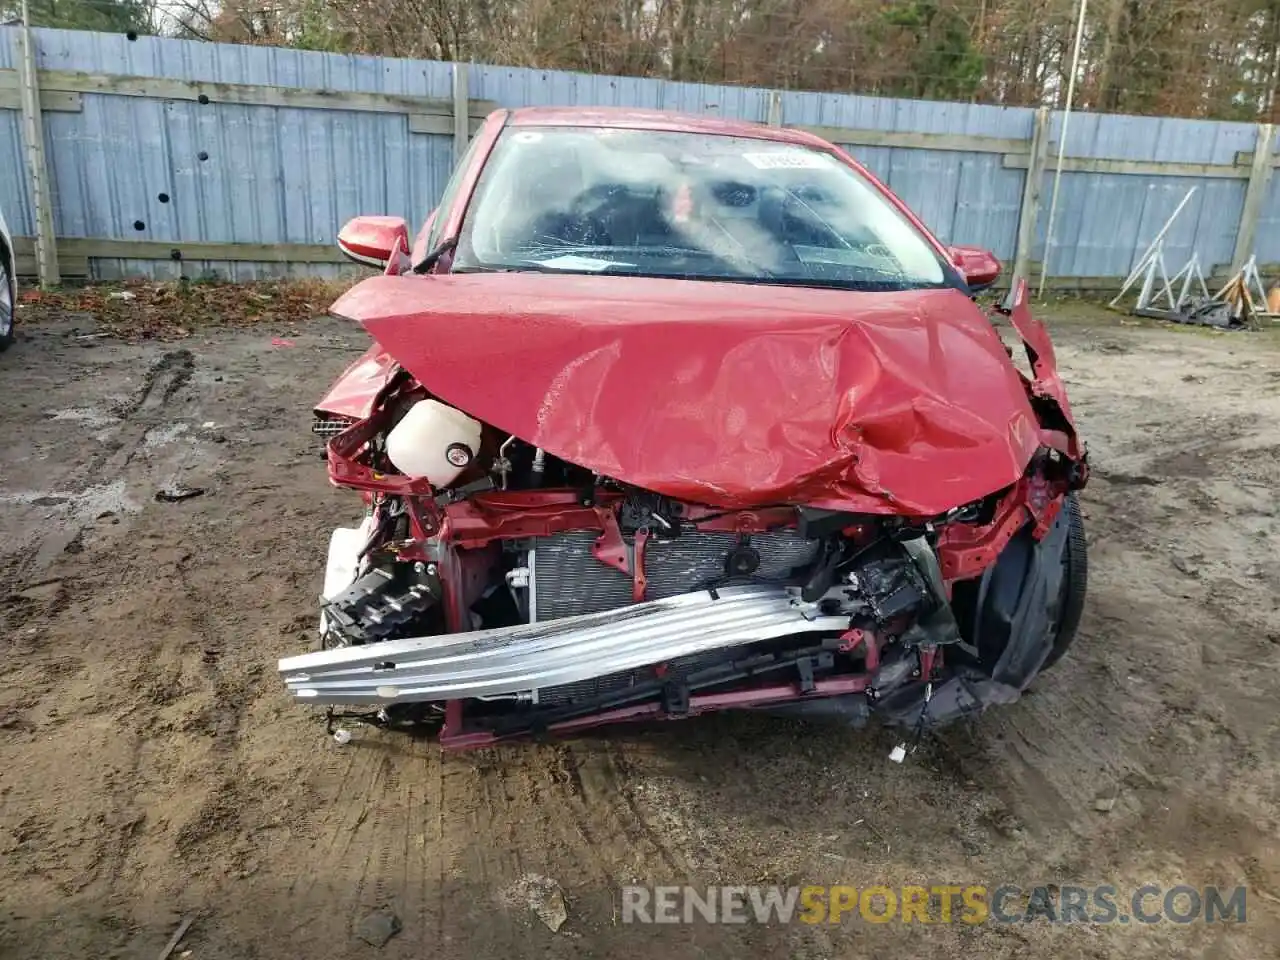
664 120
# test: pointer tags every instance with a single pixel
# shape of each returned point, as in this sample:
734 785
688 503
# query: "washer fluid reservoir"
434 441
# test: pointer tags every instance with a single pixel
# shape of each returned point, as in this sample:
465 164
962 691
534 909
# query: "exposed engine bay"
494 590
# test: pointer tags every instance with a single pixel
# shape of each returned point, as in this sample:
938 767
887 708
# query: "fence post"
1029 212
33 142
461 110
774 117
1254 196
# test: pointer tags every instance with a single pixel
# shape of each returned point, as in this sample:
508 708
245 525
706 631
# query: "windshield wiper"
525 266
551 250
814 283
432 258
546 257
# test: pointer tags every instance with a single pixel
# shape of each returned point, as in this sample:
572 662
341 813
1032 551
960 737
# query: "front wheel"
1075 582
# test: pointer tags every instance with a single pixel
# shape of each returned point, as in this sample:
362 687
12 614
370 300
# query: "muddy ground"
152 769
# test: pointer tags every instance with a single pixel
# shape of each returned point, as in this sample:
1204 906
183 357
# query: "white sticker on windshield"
786 160
573 262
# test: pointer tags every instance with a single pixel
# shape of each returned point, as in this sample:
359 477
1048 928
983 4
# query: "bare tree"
1199 58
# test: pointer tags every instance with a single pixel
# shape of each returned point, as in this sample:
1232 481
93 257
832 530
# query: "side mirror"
979 267
374 240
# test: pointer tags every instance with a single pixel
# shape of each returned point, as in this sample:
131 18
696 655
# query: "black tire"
1075 582
8 302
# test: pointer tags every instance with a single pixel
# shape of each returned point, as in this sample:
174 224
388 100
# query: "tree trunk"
1107 69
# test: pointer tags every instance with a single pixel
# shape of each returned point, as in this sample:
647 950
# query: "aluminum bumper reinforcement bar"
521 659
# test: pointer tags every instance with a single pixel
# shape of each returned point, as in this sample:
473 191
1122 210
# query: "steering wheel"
571 230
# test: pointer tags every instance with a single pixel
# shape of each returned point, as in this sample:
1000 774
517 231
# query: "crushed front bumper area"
517 661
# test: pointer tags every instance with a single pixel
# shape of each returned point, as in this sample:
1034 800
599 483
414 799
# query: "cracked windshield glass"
687 205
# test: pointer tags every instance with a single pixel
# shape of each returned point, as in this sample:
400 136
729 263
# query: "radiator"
568 580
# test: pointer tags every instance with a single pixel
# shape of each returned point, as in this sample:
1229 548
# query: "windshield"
652 203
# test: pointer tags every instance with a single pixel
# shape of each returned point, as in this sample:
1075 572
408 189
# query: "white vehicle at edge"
8 286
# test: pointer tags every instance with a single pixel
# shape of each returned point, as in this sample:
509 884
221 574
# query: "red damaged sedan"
667 415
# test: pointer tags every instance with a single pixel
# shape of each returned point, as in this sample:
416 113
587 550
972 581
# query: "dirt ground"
152 768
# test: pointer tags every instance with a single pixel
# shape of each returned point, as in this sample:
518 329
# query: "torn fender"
1046 381
355 393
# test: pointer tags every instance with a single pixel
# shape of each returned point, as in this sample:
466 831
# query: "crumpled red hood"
727 394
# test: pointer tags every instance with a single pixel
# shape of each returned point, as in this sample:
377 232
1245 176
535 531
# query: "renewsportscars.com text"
968 904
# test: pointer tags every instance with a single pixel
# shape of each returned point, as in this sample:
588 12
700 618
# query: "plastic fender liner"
1013 621
1018 605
